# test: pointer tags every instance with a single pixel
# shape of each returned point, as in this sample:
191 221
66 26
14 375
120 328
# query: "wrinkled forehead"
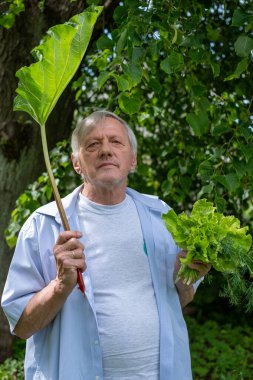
106 125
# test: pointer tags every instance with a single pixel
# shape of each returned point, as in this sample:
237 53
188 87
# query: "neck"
107 195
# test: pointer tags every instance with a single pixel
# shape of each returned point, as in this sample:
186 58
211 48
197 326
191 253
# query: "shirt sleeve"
197 283
25 276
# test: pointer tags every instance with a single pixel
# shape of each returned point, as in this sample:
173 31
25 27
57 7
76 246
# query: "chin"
111 181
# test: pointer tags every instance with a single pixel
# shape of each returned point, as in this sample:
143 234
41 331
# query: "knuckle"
56 250
70 245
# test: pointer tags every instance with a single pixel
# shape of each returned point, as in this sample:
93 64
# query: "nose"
105 149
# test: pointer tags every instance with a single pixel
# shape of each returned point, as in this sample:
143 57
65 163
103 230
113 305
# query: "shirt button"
96 342
97 378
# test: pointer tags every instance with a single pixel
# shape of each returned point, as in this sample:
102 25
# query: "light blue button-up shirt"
69 347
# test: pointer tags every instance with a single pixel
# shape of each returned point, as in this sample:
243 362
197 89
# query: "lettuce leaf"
211 237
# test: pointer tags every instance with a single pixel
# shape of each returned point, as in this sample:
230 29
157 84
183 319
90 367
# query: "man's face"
105 155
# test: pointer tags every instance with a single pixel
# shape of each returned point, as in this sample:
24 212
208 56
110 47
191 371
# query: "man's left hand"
186 292
198 265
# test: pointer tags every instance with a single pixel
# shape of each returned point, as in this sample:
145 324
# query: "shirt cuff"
196 284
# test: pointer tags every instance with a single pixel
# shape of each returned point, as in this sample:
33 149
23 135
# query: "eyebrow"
88 139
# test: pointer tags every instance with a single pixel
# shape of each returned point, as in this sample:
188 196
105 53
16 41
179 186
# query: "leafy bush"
220 351
13 368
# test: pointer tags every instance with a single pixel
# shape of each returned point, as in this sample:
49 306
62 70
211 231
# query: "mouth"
106 164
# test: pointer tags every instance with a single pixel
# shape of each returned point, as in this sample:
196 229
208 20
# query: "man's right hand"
46 303
69 256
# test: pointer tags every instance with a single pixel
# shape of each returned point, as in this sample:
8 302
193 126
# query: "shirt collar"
151 201
69 203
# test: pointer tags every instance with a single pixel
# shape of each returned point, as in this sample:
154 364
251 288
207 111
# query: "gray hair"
86 125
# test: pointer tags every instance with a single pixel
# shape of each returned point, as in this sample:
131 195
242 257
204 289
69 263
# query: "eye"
116 142
92 145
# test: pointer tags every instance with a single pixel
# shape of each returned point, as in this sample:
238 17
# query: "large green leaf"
134 74
103 78
173 63
123 82
206 170
199 122
130 103
243 46
230 181
241 18
58 56
240 68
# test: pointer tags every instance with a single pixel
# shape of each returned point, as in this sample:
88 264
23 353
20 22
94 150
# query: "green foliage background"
220 351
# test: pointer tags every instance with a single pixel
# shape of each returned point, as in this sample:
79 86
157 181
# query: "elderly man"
129 324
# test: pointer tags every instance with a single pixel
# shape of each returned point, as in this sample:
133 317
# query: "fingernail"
79 234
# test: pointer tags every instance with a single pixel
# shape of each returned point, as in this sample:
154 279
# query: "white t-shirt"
125 303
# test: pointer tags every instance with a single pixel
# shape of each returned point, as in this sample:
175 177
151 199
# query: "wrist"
182 287
60 288
185 293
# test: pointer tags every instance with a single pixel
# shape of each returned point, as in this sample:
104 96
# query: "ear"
134 163
76 164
